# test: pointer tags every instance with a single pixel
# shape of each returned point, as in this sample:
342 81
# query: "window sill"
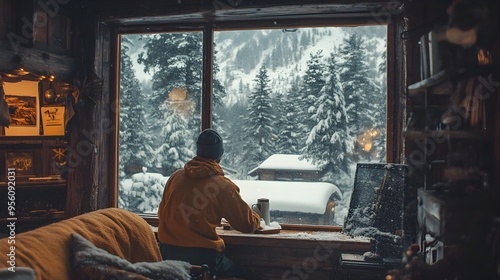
298 236
297 239
153 221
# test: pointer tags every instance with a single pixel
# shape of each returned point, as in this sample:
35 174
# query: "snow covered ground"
143 191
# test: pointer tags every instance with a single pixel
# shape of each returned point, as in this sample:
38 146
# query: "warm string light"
21 73
365 140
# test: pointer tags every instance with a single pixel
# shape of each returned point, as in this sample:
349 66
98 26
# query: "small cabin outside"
281 167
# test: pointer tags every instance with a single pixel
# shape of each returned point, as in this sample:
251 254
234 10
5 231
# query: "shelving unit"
459 146
451 136
40 187
32 164
37 204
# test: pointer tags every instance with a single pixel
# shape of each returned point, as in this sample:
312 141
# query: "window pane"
159 111
298 108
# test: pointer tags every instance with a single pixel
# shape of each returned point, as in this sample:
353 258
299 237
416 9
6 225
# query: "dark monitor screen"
377 201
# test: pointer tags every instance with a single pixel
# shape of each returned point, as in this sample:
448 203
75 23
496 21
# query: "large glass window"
297 109
159 113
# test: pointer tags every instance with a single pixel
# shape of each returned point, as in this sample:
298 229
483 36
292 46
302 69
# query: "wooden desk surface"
291 254
296 239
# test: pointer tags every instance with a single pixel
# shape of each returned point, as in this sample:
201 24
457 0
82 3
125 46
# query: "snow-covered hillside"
285 53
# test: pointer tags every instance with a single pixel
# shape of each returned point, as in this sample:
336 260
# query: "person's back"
194 201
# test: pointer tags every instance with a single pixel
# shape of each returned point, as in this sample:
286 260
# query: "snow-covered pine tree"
288 141
133 150
379 142
133 139
235 117
313 82
358 87
328 143
219 93
175 149
259 126
175 59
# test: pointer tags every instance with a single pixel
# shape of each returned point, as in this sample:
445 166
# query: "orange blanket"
48 249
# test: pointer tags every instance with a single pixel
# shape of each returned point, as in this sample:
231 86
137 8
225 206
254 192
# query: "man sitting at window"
194 201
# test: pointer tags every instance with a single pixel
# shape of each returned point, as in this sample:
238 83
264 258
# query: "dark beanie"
209 144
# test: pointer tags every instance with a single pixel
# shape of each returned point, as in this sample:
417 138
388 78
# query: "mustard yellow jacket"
195 200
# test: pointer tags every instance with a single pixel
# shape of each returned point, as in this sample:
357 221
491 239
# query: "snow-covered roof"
308 197
286 162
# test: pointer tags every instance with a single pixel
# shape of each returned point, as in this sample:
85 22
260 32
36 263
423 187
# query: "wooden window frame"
395 79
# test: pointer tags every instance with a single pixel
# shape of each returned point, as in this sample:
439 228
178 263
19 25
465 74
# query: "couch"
88 246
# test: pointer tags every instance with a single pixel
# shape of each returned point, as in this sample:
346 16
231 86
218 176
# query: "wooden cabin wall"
93 133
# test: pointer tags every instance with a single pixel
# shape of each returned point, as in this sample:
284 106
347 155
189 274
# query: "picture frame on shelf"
53 120
23 161
24 108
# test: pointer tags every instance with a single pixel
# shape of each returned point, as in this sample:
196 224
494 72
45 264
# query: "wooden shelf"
36 184
464 173
58 215
441 81
29 139
476 135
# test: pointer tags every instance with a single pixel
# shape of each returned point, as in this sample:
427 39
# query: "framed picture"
24 108
53 120
23 161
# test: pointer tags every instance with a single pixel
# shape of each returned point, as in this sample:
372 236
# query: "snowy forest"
315 92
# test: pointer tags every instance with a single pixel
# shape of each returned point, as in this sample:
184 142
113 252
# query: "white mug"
262 208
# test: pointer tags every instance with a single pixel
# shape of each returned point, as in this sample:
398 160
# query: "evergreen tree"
259 126
288 141
328 142
380 116
358 88
313 82
142 193
175 149
240 86
176 61
219 93
133 139
235 117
